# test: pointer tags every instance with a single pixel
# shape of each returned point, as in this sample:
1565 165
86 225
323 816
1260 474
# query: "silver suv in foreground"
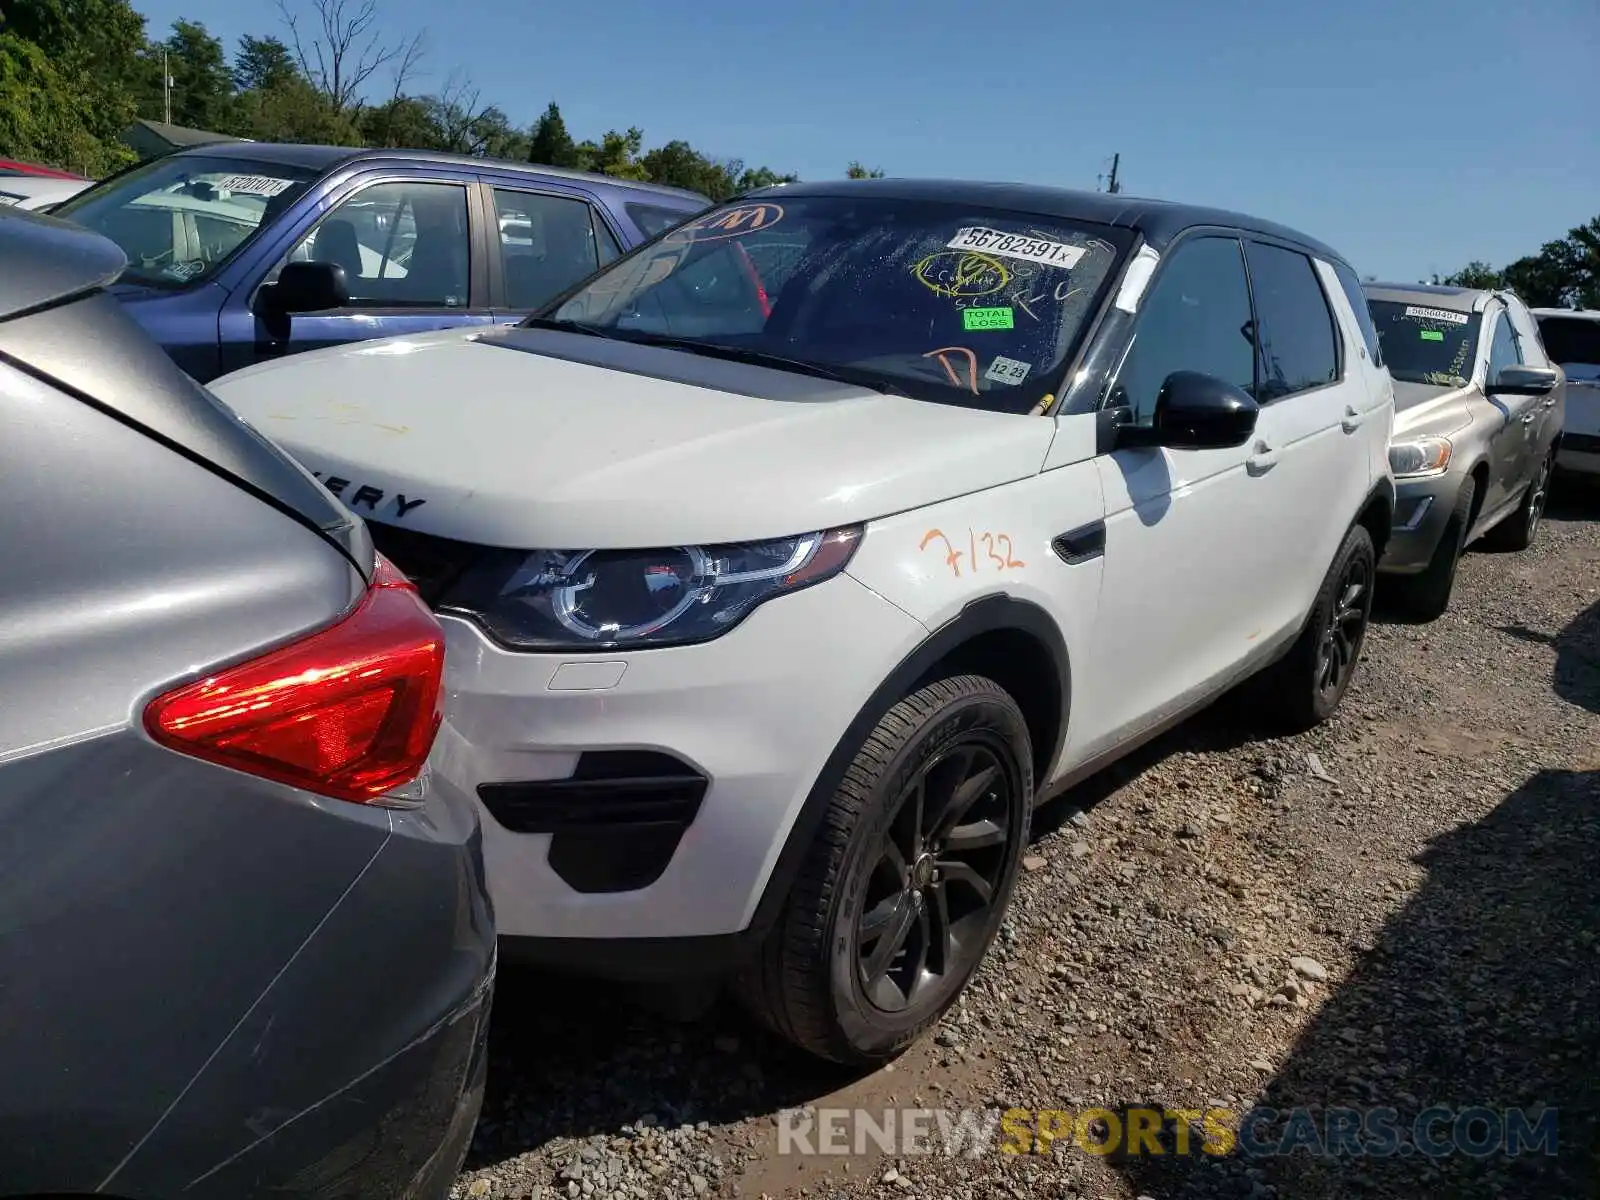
245 948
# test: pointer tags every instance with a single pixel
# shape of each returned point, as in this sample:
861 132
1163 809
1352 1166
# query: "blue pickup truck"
240 251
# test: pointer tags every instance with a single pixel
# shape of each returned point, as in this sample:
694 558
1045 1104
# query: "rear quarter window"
655 220
1358 304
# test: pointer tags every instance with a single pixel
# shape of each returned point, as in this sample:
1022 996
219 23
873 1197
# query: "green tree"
1475 274
202 83
262 64
92 49
857 171
616 154
46 117
550 143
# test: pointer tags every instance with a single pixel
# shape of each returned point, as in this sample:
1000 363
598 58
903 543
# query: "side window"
1298 347
1195 317
401 245
547 243
1528 340
655 220
604 240
1503 350
1351 287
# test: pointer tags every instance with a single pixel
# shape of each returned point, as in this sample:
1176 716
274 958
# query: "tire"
1296 689
814 982
1426 596
1518 530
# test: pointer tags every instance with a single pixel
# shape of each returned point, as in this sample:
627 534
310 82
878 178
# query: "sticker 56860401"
1436 314
1016 245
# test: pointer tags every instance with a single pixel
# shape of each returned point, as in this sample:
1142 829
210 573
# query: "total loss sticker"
1016 245
1005 370
988 318
1436 314
252 185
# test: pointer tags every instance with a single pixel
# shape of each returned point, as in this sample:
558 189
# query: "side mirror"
1195 411
305 287
1522 381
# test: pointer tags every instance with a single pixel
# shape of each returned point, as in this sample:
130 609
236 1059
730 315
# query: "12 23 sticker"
1017 246
1011 371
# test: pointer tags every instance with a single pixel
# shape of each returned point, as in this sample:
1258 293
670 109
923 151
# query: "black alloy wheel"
939 871
1345 629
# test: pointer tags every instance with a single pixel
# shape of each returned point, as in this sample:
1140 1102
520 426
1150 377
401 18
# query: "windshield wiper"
762 358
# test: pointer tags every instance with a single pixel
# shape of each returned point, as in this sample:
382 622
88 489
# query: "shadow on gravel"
1480 993
1577 673
574 1057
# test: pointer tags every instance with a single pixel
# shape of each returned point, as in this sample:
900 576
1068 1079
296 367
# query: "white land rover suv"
791 559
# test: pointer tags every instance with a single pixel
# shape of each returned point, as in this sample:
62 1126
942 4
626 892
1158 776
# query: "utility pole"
1114 186
166 89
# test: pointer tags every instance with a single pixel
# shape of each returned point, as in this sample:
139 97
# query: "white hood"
528 438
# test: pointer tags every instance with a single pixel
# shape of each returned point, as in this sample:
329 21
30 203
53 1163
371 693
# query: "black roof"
1158 220
325 158
43 260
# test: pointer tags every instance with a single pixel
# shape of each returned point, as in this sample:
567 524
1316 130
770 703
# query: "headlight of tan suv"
1419 457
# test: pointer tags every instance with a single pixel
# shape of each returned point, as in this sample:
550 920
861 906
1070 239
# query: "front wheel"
904 889
1426 595
1305 687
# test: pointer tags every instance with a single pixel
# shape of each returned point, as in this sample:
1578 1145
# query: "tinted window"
1358 304
1574 342
654 219
1195 317
1298 350
1424 344
400 244
548 244
178 219
944 302
1503 350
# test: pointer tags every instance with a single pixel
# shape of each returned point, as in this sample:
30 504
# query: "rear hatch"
49 262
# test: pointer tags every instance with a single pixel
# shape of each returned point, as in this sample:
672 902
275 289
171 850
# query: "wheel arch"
1377 515
1014 642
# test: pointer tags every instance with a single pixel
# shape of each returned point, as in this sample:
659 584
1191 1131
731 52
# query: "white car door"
1317 412
1182 570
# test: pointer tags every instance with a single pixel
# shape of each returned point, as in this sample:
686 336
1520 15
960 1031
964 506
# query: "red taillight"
350 711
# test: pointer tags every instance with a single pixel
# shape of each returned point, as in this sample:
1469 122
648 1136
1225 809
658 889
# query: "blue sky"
1412 135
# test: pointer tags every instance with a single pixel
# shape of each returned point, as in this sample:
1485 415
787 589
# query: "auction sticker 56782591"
1016 245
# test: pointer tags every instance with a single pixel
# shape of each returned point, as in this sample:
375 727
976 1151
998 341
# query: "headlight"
613 599
1423 456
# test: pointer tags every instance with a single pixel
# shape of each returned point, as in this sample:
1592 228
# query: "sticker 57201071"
1016 245
1436 314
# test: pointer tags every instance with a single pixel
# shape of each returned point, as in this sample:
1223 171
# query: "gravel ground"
1400 908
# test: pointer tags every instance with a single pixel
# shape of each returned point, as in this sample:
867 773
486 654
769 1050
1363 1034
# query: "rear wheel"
904 889
1518 530
1305 687
1426 595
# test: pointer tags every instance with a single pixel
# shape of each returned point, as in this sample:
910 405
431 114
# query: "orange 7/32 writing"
998 554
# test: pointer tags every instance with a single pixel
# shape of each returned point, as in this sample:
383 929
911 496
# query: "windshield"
1426 345
178 219
977 307
1573 342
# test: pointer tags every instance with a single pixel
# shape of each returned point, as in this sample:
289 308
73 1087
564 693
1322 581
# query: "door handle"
1262 459
1352 419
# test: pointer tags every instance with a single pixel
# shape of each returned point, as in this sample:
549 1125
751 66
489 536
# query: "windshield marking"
972 365
953 274
730 222
253 185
